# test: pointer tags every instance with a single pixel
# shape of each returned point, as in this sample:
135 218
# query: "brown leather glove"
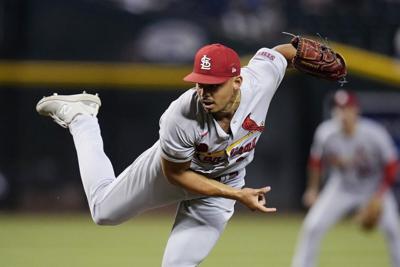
317 59
369 215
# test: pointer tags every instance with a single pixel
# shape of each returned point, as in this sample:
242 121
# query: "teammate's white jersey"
356 169
364 154
188 132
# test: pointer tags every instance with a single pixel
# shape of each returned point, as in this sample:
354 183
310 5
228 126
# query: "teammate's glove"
317 59
369 216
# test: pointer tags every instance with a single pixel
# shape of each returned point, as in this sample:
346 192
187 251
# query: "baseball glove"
369 216
317 59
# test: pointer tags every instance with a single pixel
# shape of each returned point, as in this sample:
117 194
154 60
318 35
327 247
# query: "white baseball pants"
332 205
112 200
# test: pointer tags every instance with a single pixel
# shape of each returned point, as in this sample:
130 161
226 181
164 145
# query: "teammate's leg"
332 204
389 224
198 226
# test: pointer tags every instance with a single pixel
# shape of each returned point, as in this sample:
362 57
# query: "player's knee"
102 217
312 228
104 221
179 262
391 232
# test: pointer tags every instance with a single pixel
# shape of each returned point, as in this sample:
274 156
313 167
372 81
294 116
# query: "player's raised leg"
140 187
198 225
78 113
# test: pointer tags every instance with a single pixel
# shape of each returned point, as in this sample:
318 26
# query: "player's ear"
237 82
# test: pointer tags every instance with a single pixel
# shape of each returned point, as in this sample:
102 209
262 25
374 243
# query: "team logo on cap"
205 63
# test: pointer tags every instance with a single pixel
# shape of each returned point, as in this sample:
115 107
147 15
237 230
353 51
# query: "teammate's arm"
389 155
288 51
180 174
313 182
319 151
389 176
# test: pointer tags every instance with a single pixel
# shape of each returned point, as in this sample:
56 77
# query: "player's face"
348 117
219 97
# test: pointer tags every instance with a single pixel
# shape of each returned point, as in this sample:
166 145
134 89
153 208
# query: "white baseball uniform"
187 133
349 187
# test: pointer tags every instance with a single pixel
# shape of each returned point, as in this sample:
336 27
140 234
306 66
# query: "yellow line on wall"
370 65
126 75
61 73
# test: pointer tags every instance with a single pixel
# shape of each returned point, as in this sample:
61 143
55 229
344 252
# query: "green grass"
252 240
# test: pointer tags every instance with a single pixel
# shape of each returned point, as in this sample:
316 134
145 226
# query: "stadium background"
134 54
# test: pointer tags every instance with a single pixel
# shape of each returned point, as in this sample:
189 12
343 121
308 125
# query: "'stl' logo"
205 63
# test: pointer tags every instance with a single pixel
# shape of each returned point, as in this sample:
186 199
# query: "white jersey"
364 154
189 133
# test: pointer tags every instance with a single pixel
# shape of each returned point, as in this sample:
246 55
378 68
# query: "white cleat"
64 108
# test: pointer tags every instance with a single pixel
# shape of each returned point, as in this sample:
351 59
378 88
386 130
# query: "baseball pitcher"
207 137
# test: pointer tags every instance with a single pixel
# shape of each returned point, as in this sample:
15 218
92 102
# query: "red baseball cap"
214 64
344 98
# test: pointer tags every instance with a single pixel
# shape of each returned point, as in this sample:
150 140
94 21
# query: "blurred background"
134 53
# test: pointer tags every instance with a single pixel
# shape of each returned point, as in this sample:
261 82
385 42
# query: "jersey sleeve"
177 145
268 65
385 144
317 147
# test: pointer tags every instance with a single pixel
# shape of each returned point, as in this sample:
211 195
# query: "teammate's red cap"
344 98
214 64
